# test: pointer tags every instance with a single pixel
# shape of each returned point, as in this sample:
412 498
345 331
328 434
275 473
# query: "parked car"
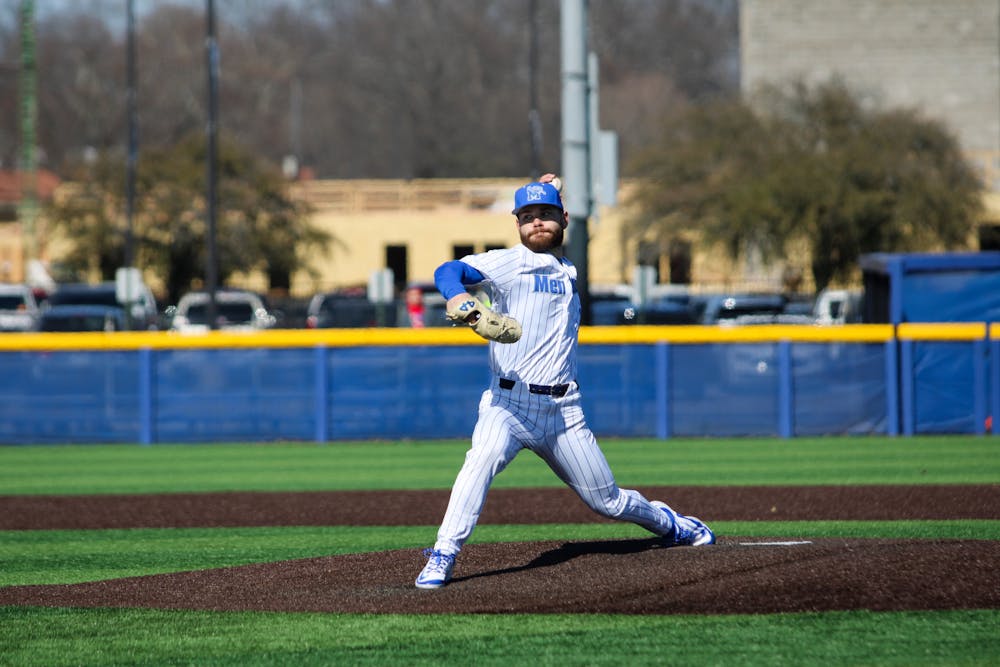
838 306
800 307
608 309
236 310
82 317
18 309
661 311
141 316
347 309
730 309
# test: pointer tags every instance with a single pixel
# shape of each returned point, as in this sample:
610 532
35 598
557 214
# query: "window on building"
989 237
680 262
494 246
459 251
395 259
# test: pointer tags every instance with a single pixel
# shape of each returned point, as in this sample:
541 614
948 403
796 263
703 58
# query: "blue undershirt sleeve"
452 277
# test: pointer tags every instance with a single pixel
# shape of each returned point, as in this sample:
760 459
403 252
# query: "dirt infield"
738 575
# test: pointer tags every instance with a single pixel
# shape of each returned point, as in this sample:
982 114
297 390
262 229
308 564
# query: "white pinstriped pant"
556 430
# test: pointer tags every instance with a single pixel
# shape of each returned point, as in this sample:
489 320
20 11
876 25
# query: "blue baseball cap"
536 193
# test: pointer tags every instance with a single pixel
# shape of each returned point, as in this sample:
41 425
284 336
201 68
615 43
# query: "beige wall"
11 253
428 218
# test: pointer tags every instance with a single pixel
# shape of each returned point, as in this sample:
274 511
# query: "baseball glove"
485 322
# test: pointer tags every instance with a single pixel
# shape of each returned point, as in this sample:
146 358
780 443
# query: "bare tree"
172 99
656 57
447 83
81 91
9 57
362 88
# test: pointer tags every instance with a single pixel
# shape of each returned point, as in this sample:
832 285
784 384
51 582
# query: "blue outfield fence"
661 382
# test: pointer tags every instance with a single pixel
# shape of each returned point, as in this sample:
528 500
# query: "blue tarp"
394 392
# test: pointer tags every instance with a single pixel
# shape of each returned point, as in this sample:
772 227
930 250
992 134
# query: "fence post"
145 396
994 381
892 386
907 383
322 393
979 357
662 389
785 410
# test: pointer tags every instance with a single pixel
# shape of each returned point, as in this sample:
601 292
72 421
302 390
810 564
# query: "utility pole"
576 143
133 137
534 118
212 261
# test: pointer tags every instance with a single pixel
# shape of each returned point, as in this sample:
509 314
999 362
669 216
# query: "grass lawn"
57 636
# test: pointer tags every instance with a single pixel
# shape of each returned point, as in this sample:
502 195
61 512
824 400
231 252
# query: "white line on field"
772 544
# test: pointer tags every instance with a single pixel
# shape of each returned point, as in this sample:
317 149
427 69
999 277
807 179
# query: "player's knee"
493 460
611 506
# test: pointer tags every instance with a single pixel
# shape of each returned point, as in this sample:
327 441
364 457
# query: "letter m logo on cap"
536 193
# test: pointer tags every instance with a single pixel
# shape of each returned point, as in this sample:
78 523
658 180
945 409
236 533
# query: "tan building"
412 227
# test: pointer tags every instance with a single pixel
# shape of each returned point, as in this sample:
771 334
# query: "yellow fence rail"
609 335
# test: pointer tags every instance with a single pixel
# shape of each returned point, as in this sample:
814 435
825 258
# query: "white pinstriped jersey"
537 289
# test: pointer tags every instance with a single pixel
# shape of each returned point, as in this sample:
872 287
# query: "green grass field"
42 636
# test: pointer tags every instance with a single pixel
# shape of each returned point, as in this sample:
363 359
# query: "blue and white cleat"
437 572
689 531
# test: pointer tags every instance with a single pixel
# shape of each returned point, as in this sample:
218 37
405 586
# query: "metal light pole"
211 267
28 204
576 142
534 119
133 137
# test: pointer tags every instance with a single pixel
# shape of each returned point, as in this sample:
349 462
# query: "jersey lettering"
544 284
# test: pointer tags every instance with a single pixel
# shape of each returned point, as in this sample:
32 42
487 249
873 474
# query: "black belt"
557 390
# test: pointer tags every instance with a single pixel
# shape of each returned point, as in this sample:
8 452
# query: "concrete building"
941 57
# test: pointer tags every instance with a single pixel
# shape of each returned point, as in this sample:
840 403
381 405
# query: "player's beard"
539 241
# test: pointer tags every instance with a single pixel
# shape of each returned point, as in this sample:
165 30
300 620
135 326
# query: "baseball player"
533 400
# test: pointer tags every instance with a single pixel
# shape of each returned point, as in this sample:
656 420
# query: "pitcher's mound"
619 576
